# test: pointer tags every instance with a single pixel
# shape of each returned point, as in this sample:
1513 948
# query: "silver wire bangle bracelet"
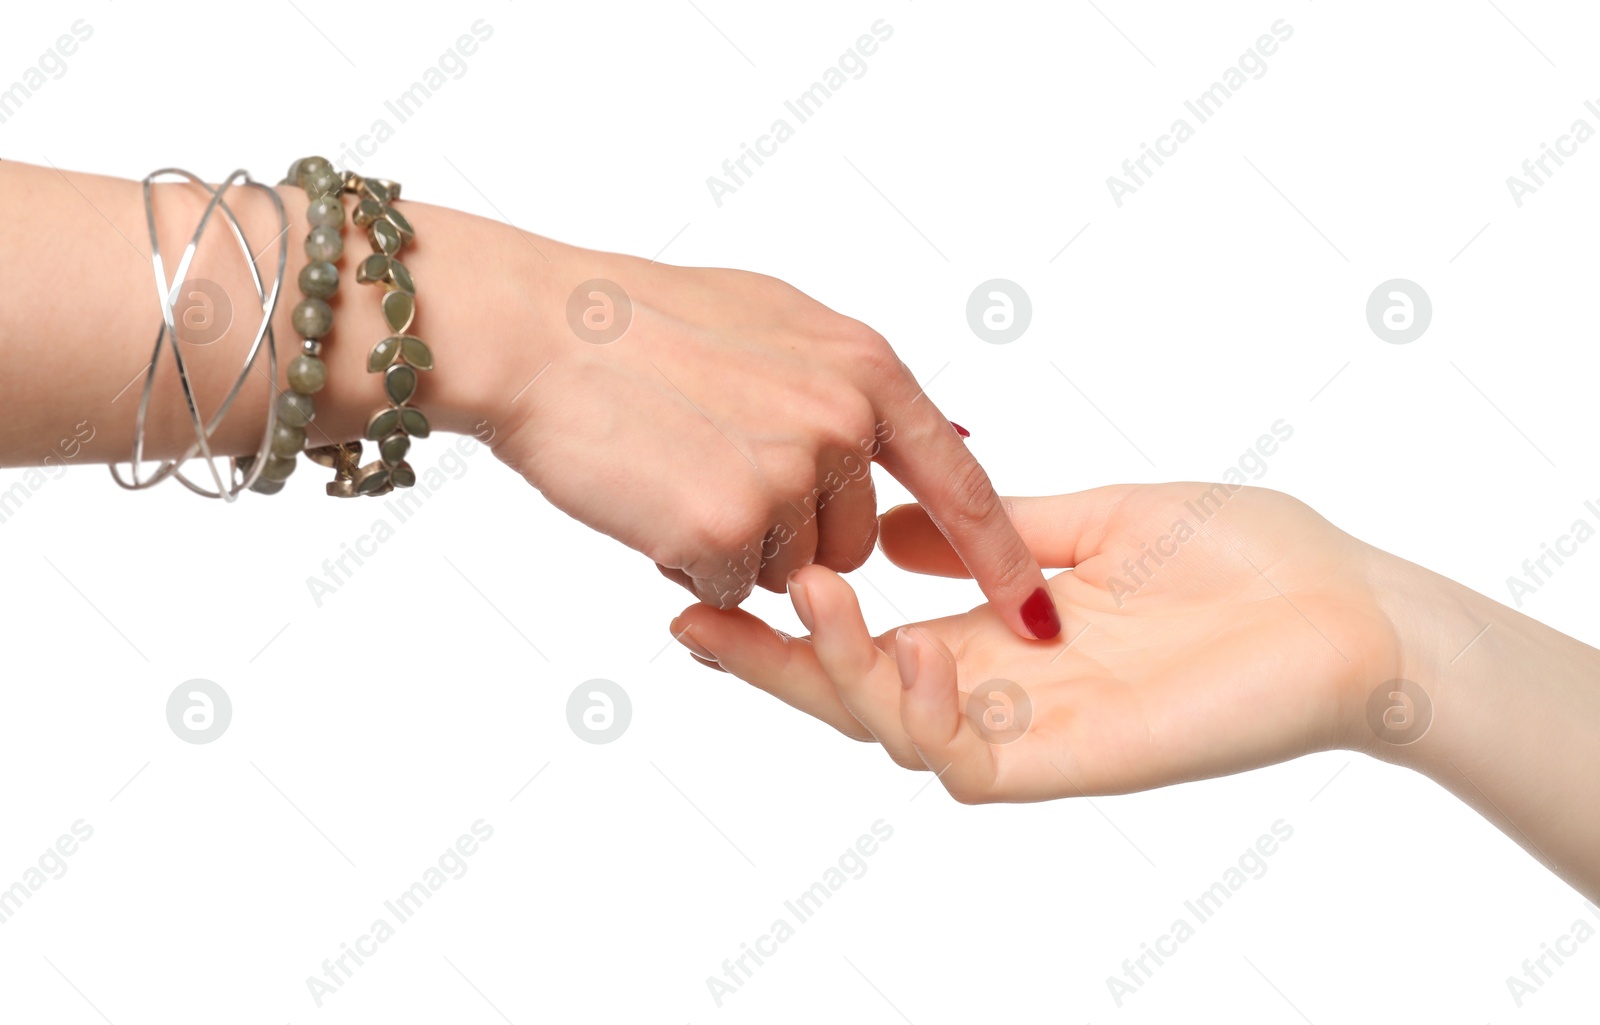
167 294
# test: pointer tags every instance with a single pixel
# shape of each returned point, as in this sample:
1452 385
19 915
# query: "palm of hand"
1247 638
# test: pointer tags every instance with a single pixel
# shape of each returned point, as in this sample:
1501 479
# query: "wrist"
473 312
1437 623
494 299
1491 681
524 331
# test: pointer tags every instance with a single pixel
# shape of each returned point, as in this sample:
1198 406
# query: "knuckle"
863 345
1014 569
724 530
972 496
875 354
776 292
974 503
791 473
674 553
852 423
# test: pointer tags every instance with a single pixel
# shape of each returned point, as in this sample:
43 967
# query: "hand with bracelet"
1218 629
726 434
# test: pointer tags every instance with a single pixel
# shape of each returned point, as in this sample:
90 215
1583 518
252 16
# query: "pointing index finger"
924 452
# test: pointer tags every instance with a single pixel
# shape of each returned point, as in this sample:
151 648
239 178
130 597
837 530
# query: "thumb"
1060 530
932 716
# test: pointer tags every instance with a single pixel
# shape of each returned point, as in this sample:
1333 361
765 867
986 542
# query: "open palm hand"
1207 629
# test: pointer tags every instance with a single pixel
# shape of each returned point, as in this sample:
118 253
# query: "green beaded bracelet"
312 317
398 357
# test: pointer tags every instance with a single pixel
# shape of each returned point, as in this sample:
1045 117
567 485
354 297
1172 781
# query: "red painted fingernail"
961 430
1039 615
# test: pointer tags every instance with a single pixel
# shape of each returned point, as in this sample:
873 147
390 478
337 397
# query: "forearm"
77 247
1515 729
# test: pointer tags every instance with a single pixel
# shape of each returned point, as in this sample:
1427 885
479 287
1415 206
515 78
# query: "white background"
1227 293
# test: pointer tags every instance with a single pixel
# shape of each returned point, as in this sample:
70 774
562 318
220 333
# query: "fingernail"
906 652
802 603
688 641
961 430
1039 615
708 663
